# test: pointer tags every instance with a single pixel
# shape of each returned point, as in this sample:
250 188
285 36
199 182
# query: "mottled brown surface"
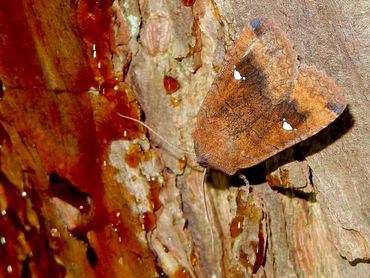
99 201
316 39
262 102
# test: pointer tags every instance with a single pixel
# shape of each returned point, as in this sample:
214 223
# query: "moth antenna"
185 151
206 207
156 133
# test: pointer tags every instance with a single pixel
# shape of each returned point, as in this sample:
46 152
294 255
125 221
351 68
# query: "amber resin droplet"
188 3
175 101
182 163
134 155
181 273
193 259
149 221
1 89
236 226
154 193
170 84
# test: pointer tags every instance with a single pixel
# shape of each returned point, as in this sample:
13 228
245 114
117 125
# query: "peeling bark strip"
82 194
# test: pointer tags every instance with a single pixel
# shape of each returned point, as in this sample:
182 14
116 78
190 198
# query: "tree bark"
84 192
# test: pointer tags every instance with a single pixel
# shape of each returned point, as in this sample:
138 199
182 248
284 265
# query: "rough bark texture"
82 193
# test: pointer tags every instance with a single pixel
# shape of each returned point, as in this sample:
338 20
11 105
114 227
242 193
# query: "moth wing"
261 103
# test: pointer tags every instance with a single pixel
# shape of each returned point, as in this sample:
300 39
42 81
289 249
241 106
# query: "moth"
262 102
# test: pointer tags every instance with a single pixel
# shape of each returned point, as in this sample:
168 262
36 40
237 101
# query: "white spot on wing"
287 126
237 75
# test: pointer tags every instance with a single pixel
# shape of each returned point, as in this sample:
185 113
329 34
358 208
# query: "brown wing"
262 102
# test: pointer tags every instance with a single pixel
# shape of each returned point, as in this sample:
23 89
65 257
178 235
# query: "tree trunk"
85 192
